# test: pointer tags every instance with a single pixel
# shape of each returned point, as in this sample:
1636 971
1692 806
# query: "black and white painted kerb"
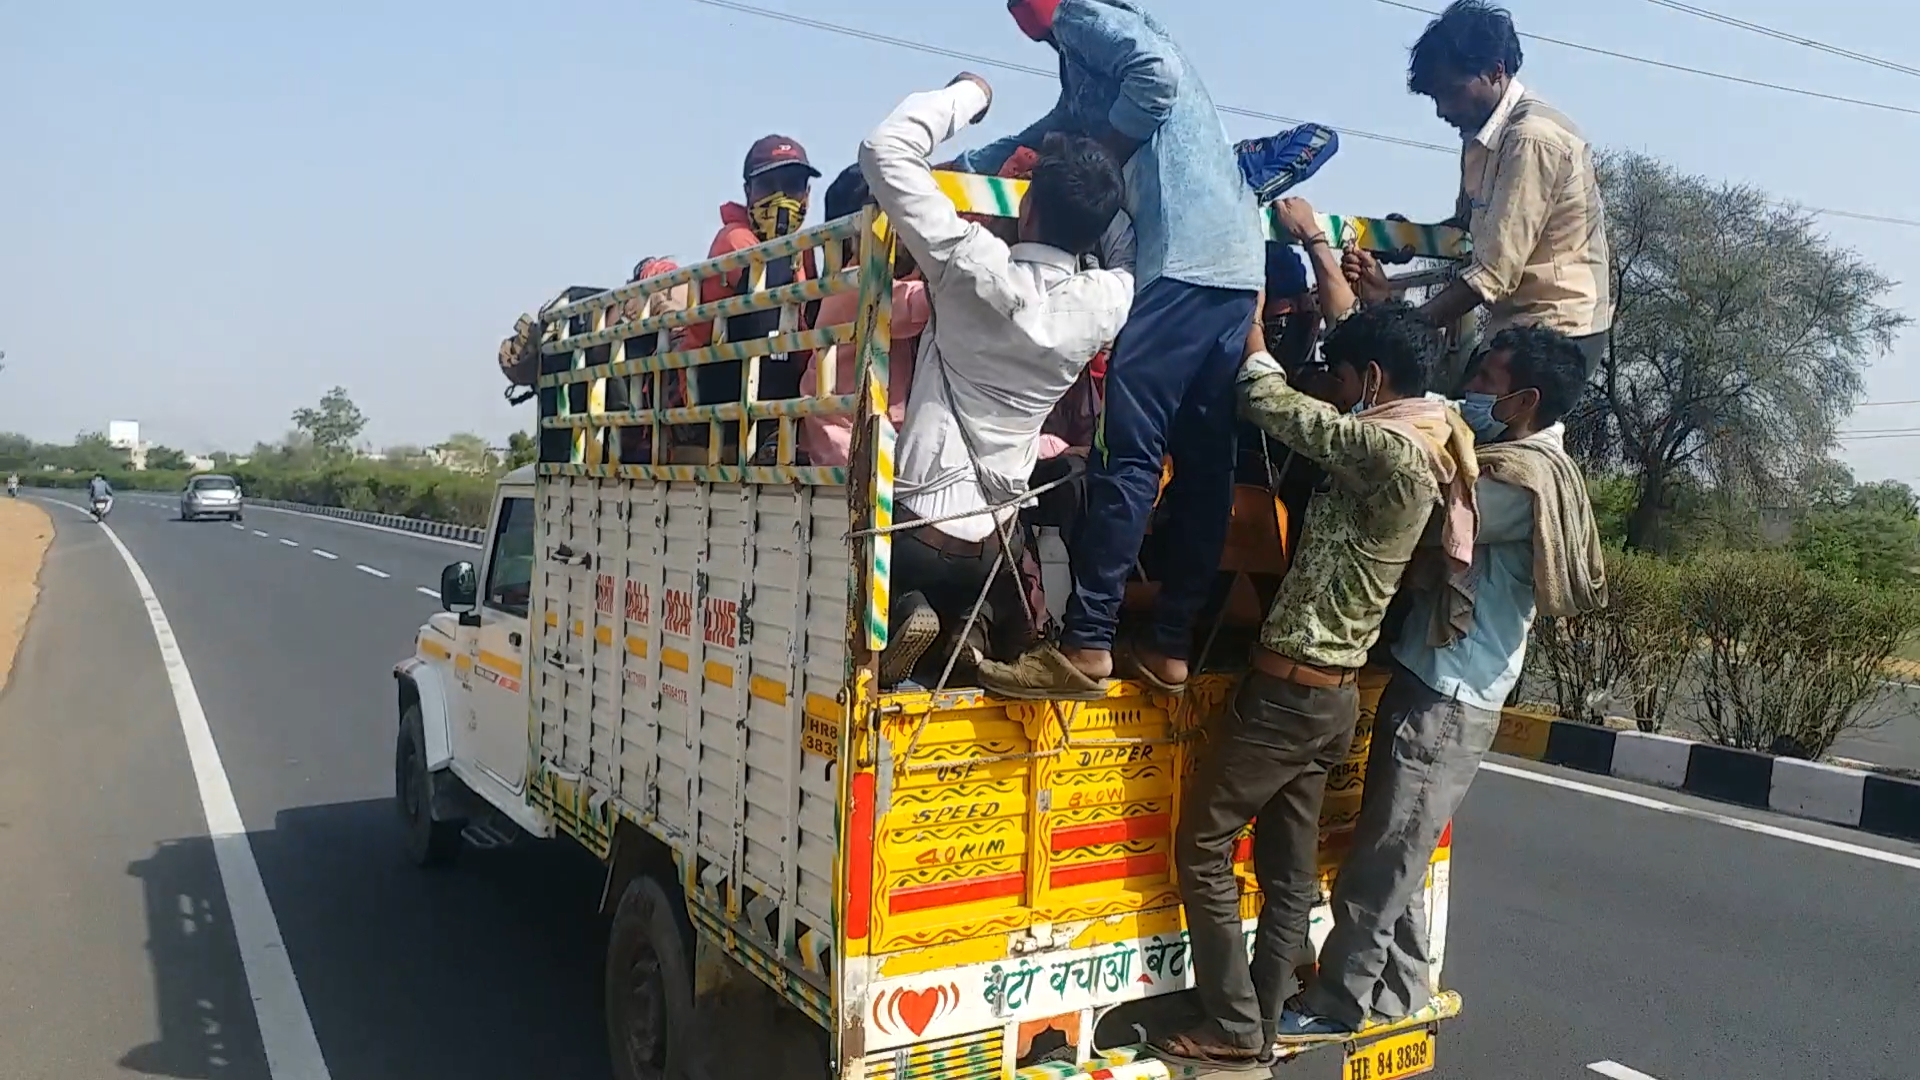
1868 801
462 533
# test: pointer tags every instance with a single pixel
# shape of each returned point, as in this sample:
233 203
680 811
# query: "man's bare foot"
1093 663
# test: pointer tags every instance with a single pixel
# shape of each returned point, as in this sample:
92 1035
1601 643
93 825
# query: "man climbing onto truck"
1014 328
1169 385
1293 716
1538 550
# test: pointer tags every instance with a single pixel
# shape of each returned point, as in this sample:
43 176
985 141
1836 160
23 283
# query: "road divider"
1887 805
437 530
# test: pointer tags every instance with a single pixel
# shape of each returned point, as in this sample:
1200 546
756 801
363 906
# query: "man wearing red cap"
779 181
1169 385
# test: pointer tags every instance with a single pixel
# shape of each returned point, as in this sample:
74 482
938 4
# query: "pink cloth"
1448 442
828 439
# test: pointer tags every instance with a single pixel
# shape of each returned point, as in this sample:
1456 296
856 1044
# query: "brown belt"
932 537
1268 662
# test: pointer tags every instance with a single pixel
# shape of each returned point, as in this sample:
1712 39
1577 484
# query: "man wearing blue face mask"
1537 552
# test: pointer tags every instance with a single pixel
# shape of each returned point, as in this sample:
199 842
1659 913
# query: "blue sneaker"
1304 1029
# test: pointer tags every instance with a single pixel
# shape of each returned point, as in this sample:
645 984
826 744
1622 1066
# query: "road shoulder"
25 533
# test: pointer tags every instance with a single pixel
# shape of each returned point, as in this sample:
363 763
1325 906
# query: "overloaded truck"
667 654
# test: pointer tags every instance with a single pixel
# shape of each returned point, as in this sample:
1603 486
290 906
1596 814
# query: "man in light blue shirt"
1537 550
1201 261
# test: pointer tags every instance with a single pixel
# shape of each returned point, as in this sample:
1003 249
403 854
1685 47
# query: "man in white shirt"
1013 328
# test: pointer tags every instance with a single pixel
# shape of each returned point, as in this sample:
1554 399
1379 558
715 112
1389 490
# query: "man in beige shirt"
1528 193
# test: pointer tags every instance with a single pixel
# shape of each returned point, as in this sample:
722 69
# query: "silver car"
211 496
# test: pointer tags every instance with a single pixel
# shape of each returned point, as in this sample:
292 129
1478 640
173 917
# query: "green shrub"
1792 658
375 487
1629 654
121 479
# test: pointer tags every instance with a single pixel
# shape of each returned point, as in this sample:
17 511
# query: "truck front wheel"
429 842
649 986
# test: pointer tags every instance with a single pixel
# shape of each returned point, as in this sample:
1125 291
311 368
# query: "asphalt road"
1584 929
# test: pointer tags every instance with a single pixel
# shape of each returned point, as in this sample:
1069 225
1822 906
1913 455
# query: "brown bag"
520 352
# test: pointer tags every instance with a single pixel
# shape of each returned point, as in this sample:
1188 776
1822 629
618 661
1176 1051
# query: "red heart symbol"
915 1008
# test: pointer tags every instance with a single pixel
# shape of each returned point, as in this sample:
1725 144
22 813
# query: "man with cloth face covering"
779 181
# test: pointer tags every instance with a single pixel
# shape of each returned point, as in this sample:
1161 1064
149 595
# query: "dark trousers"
1266 763
951 584
1169 388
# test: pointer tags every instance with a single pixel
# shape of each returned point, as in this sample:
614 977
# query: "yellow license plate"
1407 1054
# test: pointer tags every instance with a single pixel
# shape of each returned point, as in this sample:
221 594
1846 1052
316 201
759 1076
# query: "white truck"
672 661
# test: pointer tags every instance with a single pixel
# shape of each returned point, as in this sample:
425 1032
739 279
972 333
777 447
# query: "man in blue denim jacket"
1201 262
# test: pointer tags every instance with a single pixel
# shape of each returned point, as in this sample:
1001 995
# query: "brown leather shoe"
1042 673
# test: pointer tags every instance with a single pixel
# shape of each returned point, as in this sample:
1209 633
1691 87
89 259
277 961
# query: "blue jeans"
1169 388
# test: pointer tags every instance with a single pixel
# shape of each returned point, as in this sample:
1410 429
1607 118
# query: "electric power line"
1595 49
1782 35
1028 69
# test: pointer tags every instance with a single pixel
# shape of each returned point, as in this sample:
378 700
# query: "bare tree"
1738 343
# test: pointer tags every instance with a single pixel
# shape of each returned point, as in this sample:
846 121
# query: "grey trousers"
1266 763
1425 752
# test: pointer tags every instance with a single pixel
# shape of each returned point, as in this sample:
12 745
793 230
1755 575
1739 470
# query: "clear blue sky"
215 211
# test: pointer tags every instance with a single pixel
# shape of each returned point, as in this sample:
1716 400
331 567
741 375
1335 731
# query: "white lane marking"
1775 831
368 525
365 569
257 532
1618 1071
290 543
325 554
279 1009
236 525
427 591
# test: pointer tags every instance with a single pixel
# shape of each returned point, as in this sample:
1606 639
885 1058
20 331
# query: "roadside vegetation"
317 463
1757 589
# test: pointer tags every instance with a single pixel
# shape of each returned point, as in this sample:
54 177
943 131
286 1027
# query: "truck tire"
649 986
429 842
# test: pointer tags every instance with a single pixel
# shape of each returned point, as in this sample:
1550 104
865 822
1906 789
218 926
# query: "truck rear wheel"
429 842
649 986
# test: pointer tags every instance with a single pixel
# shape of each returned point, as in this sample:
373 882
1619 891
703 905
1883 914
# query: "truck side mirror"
460 589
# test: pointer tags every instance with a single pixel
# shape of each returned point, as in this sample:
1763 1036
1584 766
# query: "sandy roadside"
25 532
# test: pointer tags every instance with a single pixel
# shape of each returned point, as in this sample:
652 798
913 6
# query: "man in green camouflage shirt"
1292 719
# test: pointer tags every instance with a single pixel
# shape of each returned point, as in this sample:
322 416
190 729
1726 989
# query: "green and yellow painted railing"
595 449
996 196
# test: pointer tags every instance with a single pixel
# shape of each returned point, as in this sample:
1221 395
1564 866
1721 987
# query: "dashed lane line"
1613 1070
290 543
426 591
257 532
365 569
328 555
